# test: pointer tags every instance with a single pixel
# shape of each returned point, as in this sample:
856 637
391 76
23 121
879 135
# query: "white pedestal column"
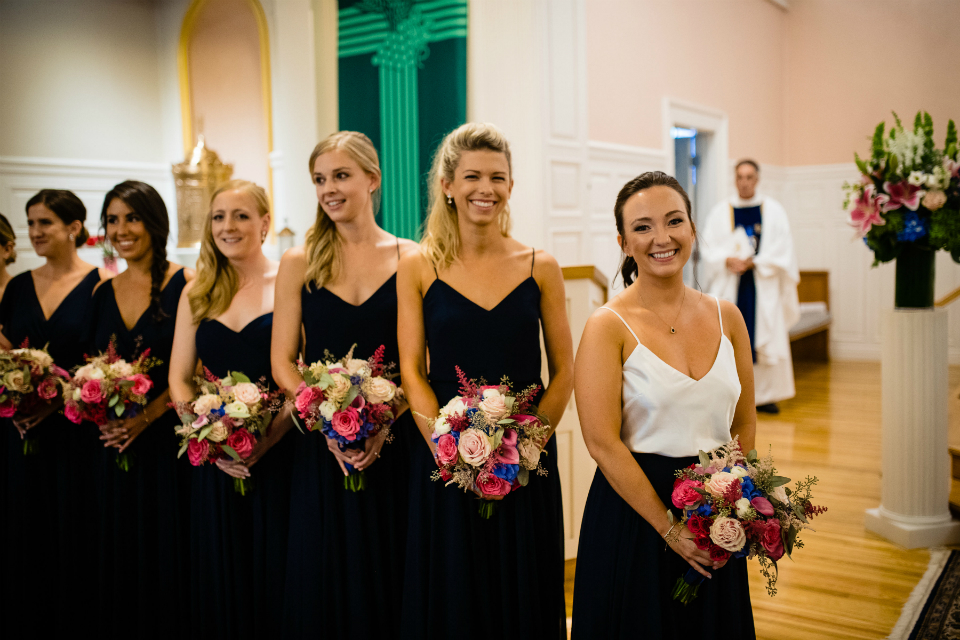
915 494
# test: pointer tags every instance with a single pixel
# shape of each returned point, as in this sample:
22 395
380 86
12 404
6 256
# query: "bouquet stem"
124 461
488 508
687 586
356 481
243 486
31 446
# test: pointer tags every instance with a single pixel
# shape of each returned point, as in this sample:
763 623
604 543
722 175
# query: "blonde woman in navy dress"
238 543
346 549
477 298
662 372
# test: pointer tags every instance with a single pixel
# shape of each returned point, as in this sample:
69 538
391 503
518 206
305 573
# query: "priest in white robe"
748 257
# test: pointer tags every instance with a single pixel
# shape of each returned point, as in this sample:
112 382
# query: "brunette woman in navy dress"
8 252
663 372
237 542
144 509
476 298
345 560
50 504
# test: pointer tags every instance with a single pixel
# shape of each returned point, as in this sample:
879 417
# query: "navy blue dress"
751 219
345 562
144 512
513 562
49 517
238 544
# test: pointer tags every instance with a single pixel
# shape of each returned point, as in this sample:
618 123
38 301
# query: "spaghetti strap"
398 247
435 272
720 315
533 259
624 323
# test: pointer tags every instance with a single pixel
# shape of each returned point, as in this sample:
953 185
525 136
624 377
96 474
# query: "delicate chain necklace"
672 330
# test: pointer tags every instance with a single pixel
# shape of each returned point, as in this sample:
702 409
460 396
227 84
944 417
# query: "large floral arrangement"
106 388
350 399
225 419
489 439
28 379
737 506
909 192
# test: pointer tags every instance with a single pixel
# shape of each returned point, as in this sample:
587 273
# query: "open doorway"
686 163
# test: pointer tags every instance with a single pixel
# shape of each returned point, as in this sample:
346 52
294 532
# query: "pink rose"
722 483
718 555
72 411
685 495
493 405
768 532
7 409
347 423
242 442
446 449
91 392
197 451
307 399
47 389
474 447
141 384
728 534
762 505
491 485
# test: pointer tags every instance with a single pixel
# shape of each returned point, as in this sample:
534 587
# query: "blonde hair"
217 282
441 240
322 245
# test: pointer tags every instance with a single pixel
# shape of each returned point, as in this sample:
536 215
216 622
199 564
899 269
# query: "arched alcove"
224 68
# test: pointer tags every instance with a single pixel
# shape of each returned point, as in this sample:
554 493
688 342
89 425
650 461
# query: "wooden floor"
846 582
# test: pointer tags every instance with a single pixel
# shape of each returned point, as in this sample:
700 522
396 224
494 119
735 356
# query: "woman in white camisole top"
662 372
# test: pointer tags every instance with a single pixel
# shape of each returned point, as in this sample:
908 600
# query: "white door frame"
712 178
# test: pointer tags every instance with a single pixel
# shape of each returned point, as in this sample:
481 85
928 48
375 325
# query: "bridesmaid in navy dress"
237 542
345 560
49 519
144 511
663 371
476 298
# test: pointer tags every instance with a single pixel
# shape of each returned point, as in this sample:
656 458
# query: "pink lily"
866 213
952 167
902 193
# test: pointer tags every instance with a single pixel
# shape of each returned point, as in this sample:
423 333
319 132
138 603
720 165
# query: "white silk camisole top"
671 414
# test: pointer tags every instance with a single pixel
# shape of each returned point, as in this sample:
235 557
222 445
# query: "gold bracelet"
671 536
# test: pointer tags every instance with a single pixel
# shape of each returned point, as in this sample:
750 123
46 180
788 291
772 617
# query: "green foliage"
878 151
239 377
230 451
950 144
945 230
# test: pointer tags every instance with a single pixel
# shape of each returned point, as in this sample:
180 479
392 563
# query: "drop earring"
72 237
449 199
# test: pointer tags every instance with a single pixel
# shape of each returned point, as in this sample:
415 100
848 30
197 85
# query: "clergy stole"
403 82
751 219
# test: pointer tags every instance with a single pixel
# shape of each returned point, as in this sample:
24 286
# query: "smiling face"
343 188
747 179
481 186
127 233
657 231
237 226
48 233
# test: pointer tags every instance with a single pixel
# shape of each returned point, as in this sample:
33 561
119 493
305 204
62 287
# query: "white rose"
247 393
89 372
740 472
206 403
358 367
493 405
327 409
780 494
441 426
218 433
743 508
76 393
917 178
40 357
121 369
455 407
378 390
237 410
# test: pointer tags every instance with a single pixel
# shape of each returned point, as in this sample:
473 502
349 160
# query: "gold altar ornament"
196 178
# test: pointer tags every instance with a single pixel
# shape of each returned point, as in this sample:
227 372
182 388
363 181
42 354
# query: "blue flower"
704 510
506 472
469 413
743 552
914 228
749 491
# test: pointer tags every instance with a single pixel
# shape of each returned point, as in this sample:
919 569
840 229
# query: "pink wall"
803 86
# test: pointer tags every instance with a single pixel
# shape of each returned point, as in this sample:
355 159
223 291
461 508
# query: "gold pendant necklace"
672 330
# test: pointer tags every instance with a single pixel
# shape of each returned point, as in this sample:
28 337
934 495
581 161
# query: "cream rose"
493 405
720 482
14 380
455 407
327 409
121 369
338 390
728 534
207 403
247 393
441 426
743 508
218 433
474 447
89 372
378 390
740 472
529 453
237 410
934 200
358 367
40 357
780 494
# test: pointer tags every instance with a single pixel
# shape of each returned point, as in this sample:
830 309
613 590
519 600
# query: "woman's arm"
745 416
183 357
287 316
556 337
122 433
413 342
598 382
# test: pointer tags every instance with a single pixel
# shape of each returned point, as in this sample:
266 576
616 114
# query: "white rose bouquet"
350 399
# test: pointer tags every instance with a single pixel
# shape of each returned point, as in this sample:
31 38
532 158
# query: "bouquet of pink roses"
489 439
225 420
28 379
350 399
109 388
737 506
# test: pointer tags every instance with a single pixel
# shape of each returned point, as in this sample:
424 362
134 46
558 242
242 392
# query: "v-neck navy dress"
238 543
345 562
49 518
144 512
511 564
